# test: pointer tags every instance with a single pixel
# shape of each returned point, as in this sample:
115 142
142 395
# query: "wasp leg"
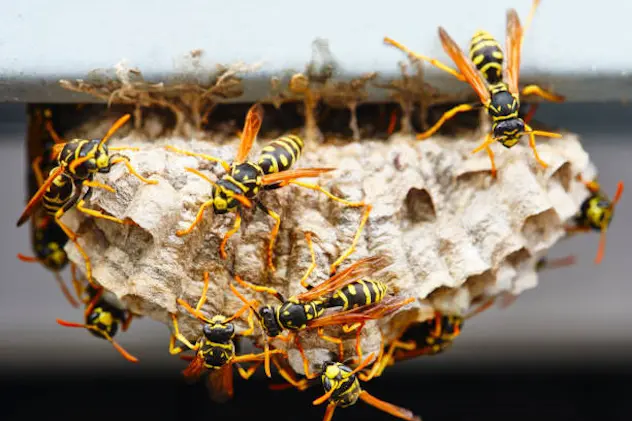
358 329
396 411
365 216
485 145
200 155
72 236
392 123
255 358
273 233
65 290
312 266
173 349
532 146
251 323
533 108
97 214
131 169
259 288
376 369
96 184
127 322
53 133
198 219
230 233
445 117
537 91
329 412
246 374
308 373
299 384
123 148
592 186
37 170
202 299
337 341
434 62
79 289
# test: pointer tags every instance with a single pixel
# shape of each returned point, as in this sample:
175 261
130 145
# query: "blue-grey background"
577 315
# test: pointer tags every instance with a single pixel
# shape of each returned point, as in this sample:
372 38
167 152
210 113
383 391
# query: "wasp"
215 350
103 318
342 389
430 337
307 310
244 180
497 88
595 213
544 263
48 243
47 238
77 163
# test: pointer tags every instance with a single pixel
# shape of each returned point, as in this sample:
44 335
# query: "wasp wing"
286 176
28 210
220 384
361 314
194 370
465 65
361 268
513 48
254 118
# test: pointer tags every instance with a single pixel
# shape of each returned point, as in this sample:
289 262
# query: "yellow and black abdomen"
280 154
216 354
58 193
48 243
357 294
487 55
434 335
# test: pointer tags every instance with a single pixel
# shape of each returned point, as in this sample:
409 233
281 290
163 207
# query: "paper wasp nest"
453 233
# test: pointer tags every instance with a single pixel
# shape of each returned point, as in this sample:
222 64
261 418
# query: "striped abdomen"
217 354
358 294
487 56
58 194
280 154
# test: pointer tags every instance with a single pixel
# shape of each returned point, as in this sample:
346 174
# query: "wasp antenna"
129 357
117 125
72 324
602 245
617 195
324 397
28 259
364 363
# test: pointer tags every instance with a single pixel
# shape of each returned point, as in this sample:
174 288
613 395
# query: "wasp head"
103 322
599 212
223 197
508 132
102 158
218 330
268 317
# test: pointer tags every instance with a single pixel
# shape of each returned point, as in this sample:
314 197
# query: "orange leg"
222 247
395 411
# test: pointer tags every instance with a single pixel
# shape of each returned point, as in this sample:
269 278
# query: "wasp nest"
454 234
